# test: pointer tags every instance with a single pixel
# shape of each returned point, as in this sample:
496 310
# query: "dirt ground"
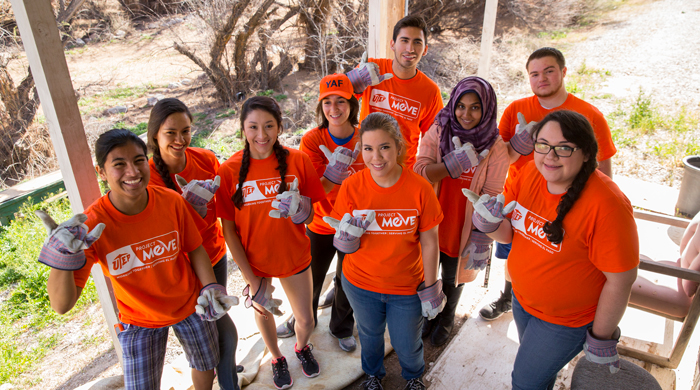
642 43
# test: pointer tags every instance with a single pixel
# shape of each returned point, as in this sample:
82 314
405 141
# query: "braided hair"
576 129
160 112
270 106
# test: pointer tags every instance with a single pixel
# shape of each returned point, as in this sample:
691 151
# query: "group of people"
404 193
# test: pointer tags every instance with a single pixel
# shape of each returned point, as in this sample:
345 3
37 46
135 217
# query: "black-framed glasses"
560 151
248 302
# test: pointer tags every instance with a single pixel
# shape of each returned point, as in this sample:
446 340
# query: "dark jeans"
448 266
322 252
228 337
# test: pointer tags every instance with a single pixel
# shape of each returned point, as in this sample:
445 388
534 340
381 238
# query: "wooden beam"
487 32
383 15
42 44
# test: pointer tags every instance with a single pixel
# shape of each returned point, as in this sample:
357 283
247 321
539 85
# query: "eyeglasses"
560 151
248 302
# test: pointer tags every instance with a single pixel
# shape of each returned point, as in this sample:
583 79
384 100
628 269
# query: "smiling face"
336 109
546 78
127 172
173 137
261 130
468 111
559 172
409 47
380 154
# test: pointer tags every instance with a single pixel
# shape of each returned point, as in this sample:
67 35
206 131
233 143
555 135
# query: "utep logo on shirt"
395 105
145 253
262 189
529 225
391 221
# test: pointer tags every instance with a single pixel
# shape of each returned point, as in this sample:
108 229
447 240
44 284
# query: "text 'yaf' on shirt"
529 225
263 189
391 220
146 253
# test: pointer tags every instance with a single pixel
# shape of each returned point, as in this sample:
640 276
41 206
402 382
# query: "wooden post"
383 15
487 31
42 43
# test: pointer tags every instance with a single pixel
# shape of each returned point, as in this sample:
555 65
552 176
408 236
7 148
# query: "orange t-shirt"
310 144
201 165
413 102
145 257
389 260
531 108
561 284
275 247
452 199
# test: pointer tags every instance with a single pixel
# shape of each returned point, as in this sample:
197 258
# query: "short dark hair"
547 52
411 21
354 110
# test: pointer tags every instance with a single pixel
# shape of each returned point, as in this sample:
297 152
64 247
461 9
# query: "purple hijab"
485 133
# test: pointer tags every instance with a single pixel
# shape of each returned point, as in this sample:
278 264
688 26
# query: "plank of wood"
44 50
648 196
490 11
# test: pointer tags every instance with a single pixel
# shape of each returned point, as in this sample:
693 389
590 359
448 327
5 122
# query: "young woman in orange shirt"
575 251
266 193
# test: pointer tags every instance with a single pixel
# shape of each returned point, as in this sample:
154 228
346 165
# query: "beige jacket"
489 177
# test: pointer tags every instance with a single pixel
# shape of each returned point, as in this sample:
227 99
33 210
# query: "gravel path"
653 45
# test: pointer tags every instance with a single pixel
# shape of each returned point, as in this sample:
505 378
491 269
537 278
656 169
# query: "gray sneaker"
327 299
347 344
286 329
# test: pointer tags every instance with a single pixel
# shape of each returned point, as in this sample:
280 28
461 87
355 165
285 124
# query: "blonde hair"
381 121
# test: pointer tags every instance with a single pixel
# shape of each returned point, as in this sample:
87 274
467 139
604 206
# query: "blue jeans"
403 315
545 348
502 250
228 337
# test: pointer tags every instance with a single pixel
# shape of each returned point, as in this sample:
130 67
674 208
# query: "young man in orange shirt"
396 87
546 69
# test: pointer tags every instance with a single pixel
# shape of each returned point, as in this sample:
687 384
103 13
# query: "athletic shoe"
347 344
327 300
280 374
497 308
414 384
286 329
309 366
372 383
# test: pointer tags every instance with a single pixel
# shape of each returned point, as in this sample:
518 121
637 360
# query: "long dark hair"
354 110
576 129
160 112
113 139
270 106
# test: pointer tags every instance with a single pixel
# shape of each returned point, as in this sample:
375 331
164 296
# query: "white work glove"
263 297
365 75
213 302
603 351
462 158
64 246
339 162
349 230
432 299
522 141
292 204
478 250
198 193
488 210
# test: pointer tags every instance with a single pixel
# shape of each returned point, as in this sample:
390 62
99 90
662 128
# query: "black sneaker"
497 308
309 366
372 383
280 374
414 384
